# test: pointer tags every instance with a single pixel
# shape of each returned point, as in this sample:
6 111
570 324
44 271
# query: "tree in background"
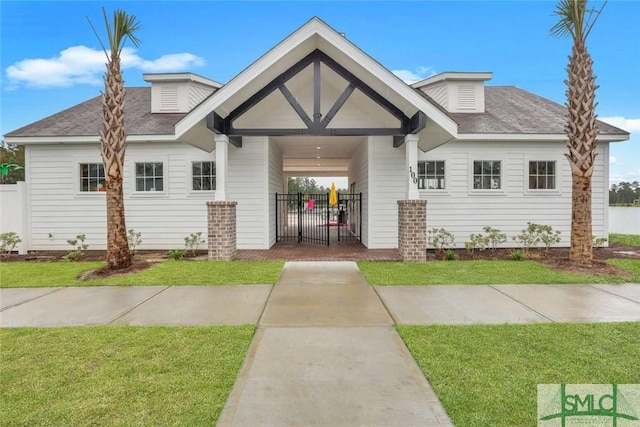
577 21
624 193
306 185
11 154
113 137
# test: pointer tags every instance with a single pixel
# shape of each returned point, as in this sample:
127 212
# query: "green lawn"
32 274
631 265
41 274
478 272
625 239
488 375
119 375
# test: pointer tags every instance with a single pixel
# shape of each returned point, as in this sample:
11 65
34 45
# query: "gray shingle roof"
86 119
511 110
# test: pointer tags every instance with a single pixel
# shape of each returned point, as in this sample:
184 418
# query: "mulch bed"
557 258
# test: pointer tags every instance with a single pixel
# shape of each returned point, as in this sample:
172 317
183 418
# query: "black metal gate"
308 218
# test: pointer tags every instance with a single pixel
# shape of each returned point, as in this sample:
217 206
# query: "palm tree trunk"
582 132
118 255
581 250
113 148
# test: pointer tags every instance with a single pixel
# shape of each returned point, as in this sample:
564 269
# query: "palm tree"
112 135
577 21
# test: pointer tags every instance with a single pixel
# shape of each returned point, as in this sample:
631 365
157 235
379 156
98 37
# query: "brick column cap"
222 203
412 202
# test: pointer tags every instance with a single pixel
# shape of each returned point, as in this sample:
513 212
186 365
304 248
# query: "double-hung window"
149 176
542 175
203 176
487 175
92 177
431 175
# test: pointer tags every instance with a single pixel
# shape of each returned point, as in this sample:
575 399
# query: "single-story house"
201 154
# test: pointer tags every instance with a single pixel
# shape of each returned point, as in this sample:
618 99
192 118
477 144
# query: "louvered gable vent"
178 92
466 98
169 98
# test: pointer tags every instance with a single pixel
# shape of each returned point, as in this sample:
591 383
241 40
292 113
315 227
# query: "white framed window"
487 175
149 176
92 177
203 175
431 175
542 175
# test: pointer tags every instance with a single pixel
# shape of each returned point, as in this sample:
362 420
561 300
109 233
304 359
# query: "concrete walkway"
326 353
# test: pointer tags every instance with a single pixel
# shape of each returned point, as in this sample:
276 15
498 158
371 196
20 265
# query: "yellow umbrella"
333 197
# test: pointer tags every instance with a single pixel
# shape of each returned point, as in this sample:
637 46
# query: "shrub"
548 236
598 242
536 233
134 240
441 239
450 255
79 247
493 238
529 237
8 242
176 254
192 242
476 241
516 256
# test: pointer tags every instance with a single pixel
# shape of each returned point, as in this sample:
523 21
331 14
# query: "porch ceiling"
300 153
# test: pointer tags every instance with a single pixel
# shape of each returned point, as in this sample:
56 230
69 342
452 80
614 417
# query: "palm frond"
575 19
125 27
104 49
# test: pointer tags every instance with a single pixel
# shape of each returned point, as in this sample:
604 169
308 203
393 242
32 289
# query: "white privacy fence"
624 219
13 209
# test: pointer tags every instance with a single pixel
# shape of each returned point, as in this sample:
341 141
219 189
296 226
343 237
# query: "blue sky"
50 59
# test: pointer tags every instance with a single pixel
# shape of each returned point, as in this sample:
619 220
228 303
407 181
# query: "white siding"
463 211
59 211
249 185
197 93
276 185
387 185
358 173
439 93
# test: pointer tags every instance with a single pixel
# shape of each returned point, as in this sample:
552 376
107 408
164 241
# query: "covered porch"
315 105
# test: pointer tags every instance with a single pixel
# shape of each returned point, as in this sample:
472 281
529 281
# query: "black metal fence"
308 218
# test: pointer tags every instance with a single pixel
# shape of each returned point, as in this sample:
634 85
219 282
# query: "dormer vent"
178 92
169 99
457 92
466 97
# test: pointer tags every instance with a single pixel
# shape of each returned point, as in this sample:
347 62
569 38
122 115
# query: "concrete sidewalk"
317 304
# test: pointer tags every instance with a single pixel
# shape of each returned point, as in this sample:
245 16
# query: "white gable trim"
314 27
20 140
531 137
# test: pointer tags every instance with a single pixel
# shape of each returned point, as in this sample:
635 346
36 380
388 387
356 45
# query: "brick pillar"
412 229
221 230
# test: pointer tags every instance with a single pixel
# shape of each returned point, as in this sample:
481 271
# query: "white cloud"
612 160
420 73
630 125
626 177
84 65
